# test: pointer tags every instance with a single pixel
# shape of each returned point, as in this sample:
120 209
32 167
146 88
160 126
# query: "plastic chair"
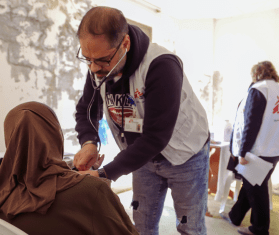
9 229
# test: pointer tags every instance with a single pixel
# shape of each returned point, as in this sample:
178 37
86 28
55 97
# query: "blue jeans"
189 189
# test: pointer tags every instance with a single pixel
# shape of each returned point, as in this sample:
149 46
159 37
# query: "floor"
215 226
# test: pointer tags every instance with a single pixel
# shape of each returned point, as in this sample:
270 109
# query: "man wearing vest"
157 121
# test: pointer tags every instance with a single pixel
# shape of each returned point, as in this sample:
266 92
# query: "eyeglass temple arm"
116 64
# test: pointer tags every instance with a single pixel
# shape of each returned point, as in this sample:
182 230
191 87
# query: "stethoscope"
97 87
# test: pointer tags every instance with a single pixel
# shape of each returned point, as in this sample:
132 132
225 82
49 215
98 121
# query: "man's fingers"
99 162
93 173
76 157
91 162
86 157
85 163
101 159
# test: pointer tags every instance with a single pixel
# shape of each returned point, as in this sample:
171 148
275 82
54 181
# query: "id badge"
133 125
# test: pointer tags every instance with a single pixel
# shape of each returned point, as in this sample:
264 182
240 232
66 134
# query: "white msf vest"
191 128
266 143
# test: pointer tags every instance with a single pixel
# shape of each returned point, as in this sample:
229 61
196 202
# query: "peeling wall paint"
38 47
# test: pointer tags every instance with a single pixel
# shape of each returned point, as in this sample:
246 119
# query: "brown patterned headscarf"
32 171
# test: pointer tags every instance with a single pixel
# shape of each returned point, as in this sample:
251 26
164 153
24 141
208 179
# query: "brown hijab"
32 171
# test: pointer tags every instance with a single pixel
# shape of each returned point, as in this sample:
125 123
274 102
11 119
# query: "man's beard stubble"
115 72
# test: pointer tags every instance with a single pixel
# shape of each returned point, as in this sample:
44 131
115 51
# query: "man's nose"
94 67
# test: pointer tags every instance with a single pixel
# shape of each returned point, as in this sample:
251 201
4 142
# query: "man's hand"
86 157
93 173
99 162
242 161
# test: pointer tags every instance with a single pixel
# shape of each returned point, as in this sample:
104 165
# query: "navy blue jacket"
253 116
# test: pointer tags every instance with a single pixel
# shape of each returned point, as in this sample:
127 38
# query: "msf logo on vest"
276 109
138 94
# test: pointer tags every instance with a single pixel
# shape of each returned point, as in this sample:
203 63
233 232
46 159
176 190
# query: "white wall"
241 42
194 45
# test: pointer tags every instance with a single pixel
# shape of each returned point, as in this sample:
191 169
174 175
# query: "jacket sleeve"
83 126
253 116
231 141
162 101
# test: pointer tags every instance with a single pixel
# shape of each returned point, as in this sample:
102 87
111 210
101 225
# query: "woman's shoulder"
89 187
267 83
90 183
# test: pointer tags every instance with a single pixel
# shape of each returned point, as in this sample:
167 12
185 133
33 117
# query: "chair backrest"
9 229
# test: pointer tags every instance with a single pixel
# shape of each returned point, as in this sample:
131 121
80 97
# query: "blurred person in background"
256 130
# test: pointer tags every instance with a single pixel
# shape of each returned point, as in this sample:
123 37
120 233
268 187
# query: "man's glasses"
93 81
102 63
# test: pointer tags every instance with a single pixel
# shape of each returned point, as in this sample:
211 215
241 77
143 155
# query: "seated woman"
40 194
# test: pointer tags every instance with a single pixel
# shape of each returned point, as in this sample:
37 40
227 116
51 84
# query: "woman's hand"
242 161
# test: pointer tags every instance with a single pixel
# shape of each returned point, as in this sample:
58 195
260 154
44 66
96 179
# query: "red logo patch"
138 94
276 109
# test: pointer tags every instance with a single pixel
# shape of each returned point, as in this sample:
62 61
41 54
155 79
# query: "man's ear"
127 42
